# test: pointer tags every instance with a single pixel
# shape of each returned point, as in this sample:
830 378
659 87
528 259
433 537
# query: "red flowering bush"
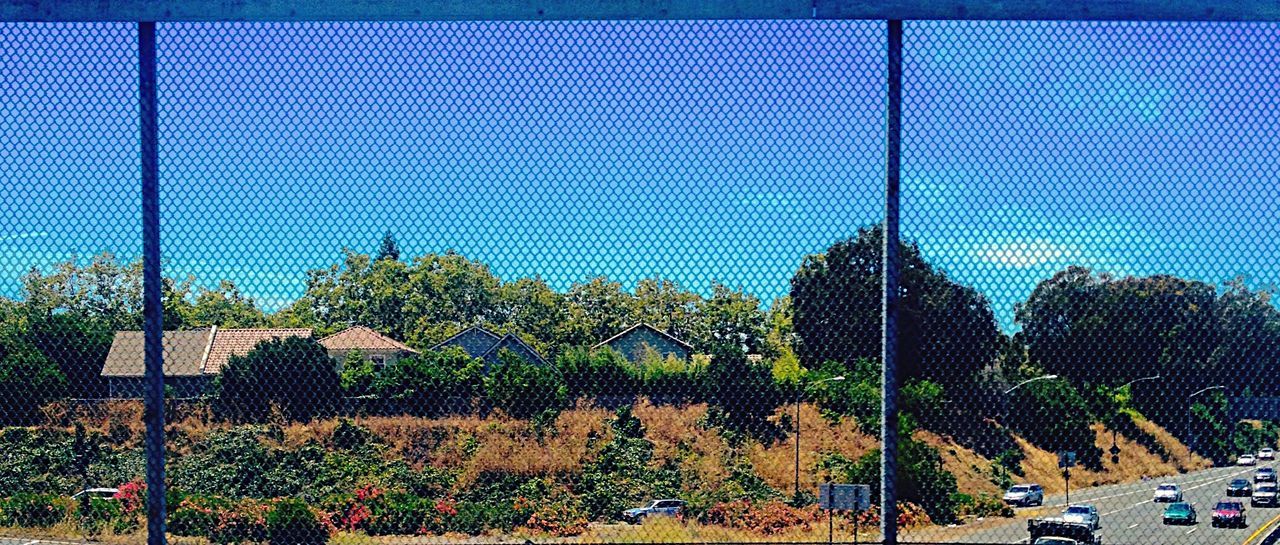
132 497
246 521
561 518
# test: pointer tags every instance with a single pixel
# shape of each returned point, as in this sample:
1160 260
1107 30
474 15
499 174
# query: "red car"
1229 514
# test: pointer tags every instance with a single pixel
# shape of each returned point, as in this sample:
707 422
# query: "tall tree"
224 306
733 323
947 332
388 249
598 309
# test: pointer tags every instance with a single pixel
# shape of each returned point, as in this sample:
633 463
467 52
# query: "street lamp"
1136 380
800 395
1191 446
1028 381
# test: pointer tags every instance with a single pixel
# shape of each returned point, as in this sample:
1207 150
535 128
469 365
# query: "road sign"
1066 459
844 497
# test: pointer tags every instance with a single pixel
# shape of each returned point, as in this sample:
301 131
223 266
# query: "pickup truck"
1055 531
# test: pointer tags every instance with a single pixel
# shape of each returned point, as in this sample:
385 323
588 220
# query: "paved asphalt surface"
1130 517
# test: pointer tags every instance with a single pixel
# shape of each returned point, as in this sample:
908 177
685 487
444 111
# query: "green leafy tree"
948 331
28 381
530 306
1052 415
743 394
226 307
524 390
590 373
734 323
294 375
598 309
665 305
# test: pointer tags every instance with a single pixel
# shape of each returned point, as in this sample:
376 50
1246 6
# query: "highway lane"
1129 516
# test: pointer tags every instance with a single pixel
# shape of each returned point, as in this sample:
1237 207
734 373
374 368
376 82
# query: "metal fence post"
153 305
889 385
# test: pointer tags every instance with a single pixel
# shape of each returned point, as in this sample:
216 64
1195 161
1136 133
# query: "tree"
524 390
665 305
598 309
28 381
1051 414
358 374
530 306
733 323
224 307
947 332
388 248
743 393
292 374
589 373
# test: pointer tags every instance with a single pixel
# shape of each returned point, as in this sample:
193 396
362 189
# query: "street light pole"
800 395
1191 436
1029 381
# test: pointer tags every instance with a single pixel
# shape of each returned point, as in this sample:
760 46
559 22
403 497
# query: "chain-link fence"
621 282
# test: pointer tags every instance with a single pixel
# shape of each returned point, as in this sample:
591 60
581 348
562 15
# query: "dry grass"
775 463
1180 455
667 530
972 471
676 429
1135 461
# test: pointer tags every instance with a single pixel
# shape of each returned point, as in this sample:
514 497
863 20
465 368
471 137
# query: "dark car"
1239 487
1264 475
1229 514
1180 513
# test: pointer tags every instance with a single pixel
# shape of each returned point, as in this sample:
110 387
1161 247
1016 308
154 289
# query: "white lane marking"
1132 526
1192 530
33 542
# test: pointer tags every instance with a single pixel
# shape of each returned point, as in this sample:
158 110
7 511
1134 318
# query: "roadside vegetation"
286 448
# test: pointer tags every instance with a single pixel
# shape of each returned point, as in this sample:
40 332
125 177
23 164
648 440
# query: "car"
657 508
104 493
1246 460
1239 487
1264 475
1083 514
1264 494
1180 513
1229 514
1167 492
1267 454
1025 495
1055 531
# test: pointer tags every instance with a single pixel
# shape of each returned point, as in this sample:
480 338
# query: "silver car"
1264 494
1167 492
1083 514
1024 495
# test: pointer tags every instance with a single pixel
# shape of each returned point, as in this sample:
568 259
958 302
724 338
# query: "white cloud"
1028 254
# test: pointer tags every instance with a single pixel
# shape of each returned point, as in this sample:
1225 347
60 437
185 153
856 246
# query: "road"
1130 517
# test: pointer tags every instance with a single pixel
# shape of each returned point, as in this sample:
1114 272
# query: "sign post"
1067 459
843 497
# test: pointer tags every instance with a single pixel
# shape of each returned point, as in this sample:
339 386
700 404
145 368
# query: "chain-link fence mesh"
1106 196
620 281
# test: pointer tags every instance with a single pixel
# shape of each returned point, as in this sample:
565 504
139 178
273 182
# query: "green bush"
97 514
421 384
397 513
743 394
34 510
292 374
524 390
243 522
590 373
28 381
196 516
291 522
1051 415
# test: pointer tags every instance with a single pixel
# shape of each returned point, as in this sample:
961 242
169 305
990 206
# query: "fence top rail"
534 10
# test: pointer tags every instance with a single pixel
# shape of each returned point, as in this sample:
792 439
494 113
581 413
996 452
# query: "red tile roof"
362 338
238 342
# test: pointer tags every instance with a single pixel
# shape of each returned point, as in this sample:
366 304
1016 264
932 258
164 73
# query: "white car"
1264 494
1246 460
1083 514
1267 454
1167 492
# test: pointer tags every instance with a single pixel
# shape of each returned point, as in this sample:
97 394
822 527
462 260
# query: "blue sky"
697 151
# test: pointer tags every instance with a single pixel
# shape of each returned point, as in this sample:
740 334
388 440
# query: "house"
479 342
191 357
636 341
375 347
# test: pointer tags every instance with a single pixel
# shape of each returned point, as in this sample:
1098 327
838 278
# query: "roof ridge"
638 325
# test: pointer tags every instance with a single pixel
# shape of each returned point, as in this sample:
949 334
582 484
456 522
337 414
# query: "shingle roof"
628 331
238 342
362 338
488 337
515 344
183 353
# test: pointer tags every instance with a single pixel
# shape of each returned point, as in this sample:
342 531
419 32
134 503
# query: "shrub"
293 374
34 510
421 384
1051 415
28 380
983 505
196 516
768 518
97 514
524 390
561 518
743 394
590 374
292 522
245 521
397 513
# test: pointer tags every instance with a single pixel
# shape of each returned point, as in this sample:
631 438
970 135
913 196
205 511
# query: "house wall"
632 345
